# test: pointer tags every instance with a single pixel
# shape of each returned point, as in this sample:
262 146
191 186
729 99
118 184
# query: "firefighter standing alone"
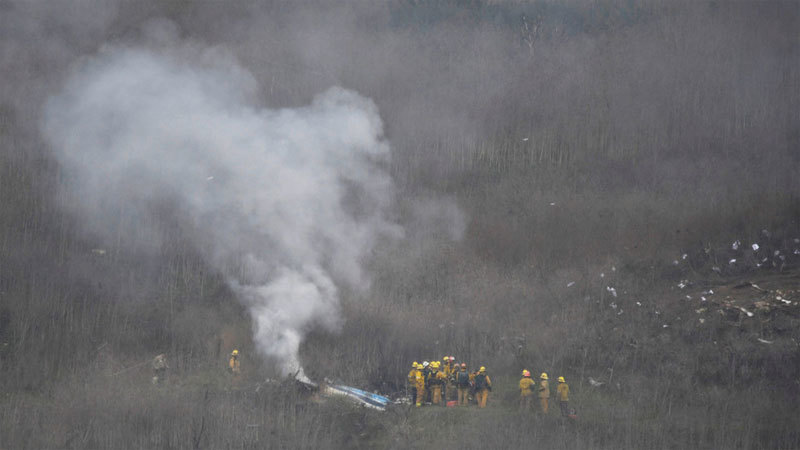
233 364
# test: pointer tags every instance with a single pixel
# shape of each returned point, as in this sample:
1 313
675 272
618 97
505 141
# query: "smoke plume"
285 203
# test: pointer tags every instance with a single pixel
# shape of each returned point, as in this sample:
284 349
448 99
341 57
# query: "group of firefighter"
438 381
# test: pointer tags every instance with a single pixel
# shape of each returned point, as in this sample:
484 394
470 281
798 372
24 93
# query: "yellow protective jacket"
544 389
412 377
234 364
448 370
525 385
419 381
441 378
563 392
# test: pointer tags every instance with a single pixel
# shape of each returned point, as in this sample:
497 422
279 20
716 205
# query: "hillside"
605 191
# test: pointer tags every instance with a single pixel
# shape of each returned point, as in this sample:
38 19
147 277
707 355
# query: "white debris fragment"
758 264
736 245
209 178
732 261
777 252
620 312
765 260
764 341
684 256
99 251
716 269
682 284
524 139
749 314
611 290
688 297
613 305
702 320
602 275
658 313
638 303
702 299
797 251
675 262
595 383
755 247
613 268
665 326
786 301
552 203
570 284
710 292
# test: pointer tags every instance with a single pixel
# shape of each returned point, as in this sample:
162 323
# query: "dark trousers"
564 408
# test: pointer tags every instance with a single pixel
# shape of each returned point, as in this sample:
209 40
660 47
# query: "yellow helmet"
543 376
415 364
482 369
436 364
235 352
445 358
561 380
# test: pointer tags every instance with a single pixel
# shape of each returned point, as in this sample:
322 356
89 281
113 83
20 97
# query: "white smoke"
282 202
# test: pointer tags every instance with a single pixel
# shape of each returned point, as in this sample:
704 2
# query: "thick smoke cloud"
285 203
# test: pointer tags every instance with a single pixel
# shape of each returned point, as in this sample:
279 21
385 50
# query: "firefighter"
412 381
437 381
544 392
433 383
233 364
483 384
462 384
426 375
419 381
447 369
562 391
160 367
525 391
451 380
